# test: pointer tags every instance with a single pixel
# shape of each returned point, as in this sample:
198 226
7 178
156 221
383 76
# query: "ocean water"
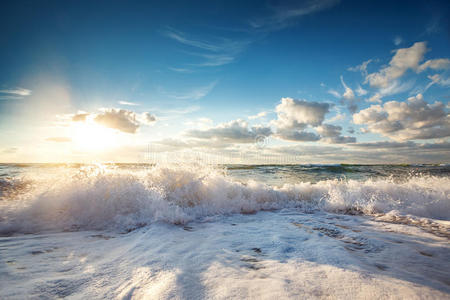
231 231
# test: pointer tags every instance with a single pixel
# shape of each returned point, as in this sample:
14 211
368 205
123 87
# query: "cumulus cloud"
414 119
298 114
404 59
294 116
124 120
237 131
59 139
332 134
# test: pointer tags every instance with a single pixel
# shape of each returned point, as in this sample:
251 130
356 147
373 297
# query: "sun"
89 136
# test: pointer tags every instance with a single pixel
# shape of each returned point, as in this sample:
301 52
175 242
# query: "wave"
98 198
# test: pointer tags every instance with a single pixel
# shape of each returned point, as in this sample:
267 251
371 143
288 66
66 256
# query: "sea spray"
99 197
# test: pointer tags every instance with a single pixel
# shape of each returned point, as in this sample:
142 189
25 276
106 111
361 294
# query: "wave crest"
99 198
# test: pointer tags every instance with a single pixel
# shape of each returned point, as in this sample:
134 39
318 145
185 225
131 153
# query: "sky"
225 81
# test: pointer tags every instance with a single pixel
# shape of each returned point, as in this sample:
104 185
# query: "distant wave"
115 199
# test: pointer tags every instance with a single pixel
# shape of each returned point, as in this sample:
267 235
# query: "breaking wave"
113 199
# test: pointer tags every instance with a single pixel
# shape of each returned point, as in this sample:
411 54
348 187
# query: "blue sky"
186 76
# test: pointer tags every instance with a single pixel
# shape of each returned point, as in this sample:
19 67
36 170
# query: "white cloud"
376 98
404 59
414 119
298 114
338 117
435 64
17 92
128 103
334 93
14 94
348 94
438 79
259 115
294 116
361 68
360 91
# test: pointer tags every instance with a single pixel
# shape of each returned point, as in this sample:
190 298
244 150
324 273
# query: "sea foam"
102 198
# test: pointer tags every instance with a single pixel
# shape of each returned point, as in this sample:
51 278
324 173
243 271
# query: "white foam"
99 198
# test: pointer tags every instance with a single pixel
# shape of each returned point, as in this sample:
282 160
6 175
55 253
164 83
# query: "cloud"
237 131
217 51
193 94
348 97
59 139
332 134
17 92
360 91
414 119
348 94
438 79
128 103
284 15
361 68
294 116
123 120
334 93
80 117
435 64
403 60
298 114
259 115
376 98
338 117
397 40
148 118
14 94
297 135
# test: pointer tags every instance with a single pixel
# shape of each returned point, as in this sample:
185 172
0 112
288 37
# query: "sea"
199 231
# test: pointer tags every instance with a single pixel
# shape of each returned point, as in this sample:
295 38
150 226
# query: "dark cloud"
237 131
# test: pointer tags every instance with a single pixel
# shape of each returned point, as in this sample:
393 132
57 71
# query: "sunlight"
89 136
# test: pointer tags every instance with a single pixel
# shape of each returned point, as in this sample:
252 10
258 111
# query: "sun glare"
93 137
